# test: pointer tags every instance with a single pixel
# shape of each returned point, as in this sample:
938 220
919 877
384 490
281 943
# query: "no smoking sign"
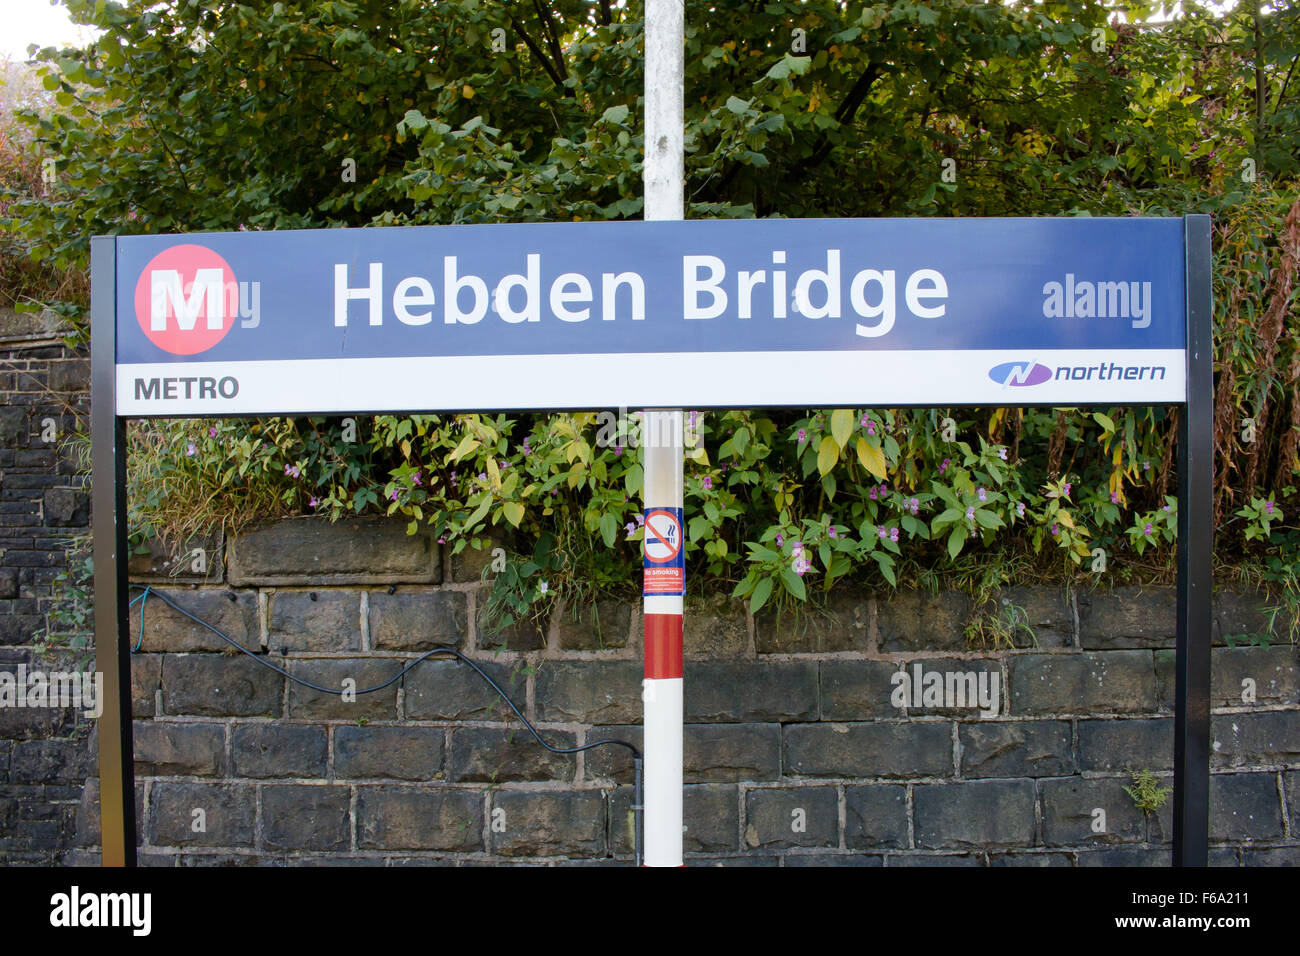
664 568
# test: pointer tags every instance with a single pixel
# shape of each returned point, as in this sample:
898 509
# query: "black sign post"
1195 554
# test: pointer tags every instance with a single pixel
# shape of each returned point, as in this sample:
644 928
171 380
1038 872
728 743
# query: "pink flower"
191 450
802 436
291 471
708 483
831 531
944 466
392 495
1065 489
313 501
415 478
893 534
982 495
1114 497
1268 507
212 432
1147 529
780 539
1002 453
1056 529
618 451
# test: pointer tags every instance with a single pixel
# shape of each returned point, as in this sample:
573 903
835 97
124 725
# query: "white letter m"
165 289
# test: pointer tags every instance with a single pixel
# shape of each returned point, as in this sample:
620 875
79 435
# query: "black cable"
442 649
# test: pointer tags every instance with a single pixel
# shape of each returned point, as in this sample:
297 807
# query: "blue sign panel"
698 313
664 557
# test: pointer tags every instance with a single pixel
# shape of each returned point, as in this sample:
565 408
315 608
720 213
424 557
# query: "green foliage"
997 628
1147 793
70 615
225 115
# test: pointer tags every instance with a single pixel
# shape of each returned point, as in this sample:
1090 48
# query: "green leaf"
956 540
514 512
762 591
793 583
632 479
615 115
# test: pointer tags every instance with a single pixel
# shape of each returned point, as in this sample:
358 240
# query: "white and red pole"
665 581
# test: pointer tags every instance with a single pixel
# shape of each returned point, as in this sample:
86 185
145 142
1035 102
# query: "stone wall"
45 754
795 753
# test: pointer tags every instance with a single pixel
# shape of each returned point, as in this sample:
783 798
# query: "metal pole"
662 453
108 504
1195 550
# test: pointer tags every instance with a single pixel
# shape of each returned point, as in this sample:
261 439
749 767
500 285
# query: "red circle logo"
187 299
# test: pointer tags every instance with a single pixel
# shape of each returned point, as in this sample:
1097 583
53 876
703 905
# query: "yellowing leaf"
467 91
514 512
842 425
467 445
873 459
827 455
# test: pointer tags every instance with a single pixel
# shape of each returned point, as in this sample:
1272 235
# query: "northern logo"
187 299
1020 374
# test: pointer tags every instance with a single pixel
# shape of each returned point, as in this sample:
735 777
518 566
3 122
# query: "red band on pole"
663 646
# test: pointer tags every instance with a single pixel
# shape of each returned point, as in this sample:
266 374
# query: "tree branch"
537 53
548 27
845 114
